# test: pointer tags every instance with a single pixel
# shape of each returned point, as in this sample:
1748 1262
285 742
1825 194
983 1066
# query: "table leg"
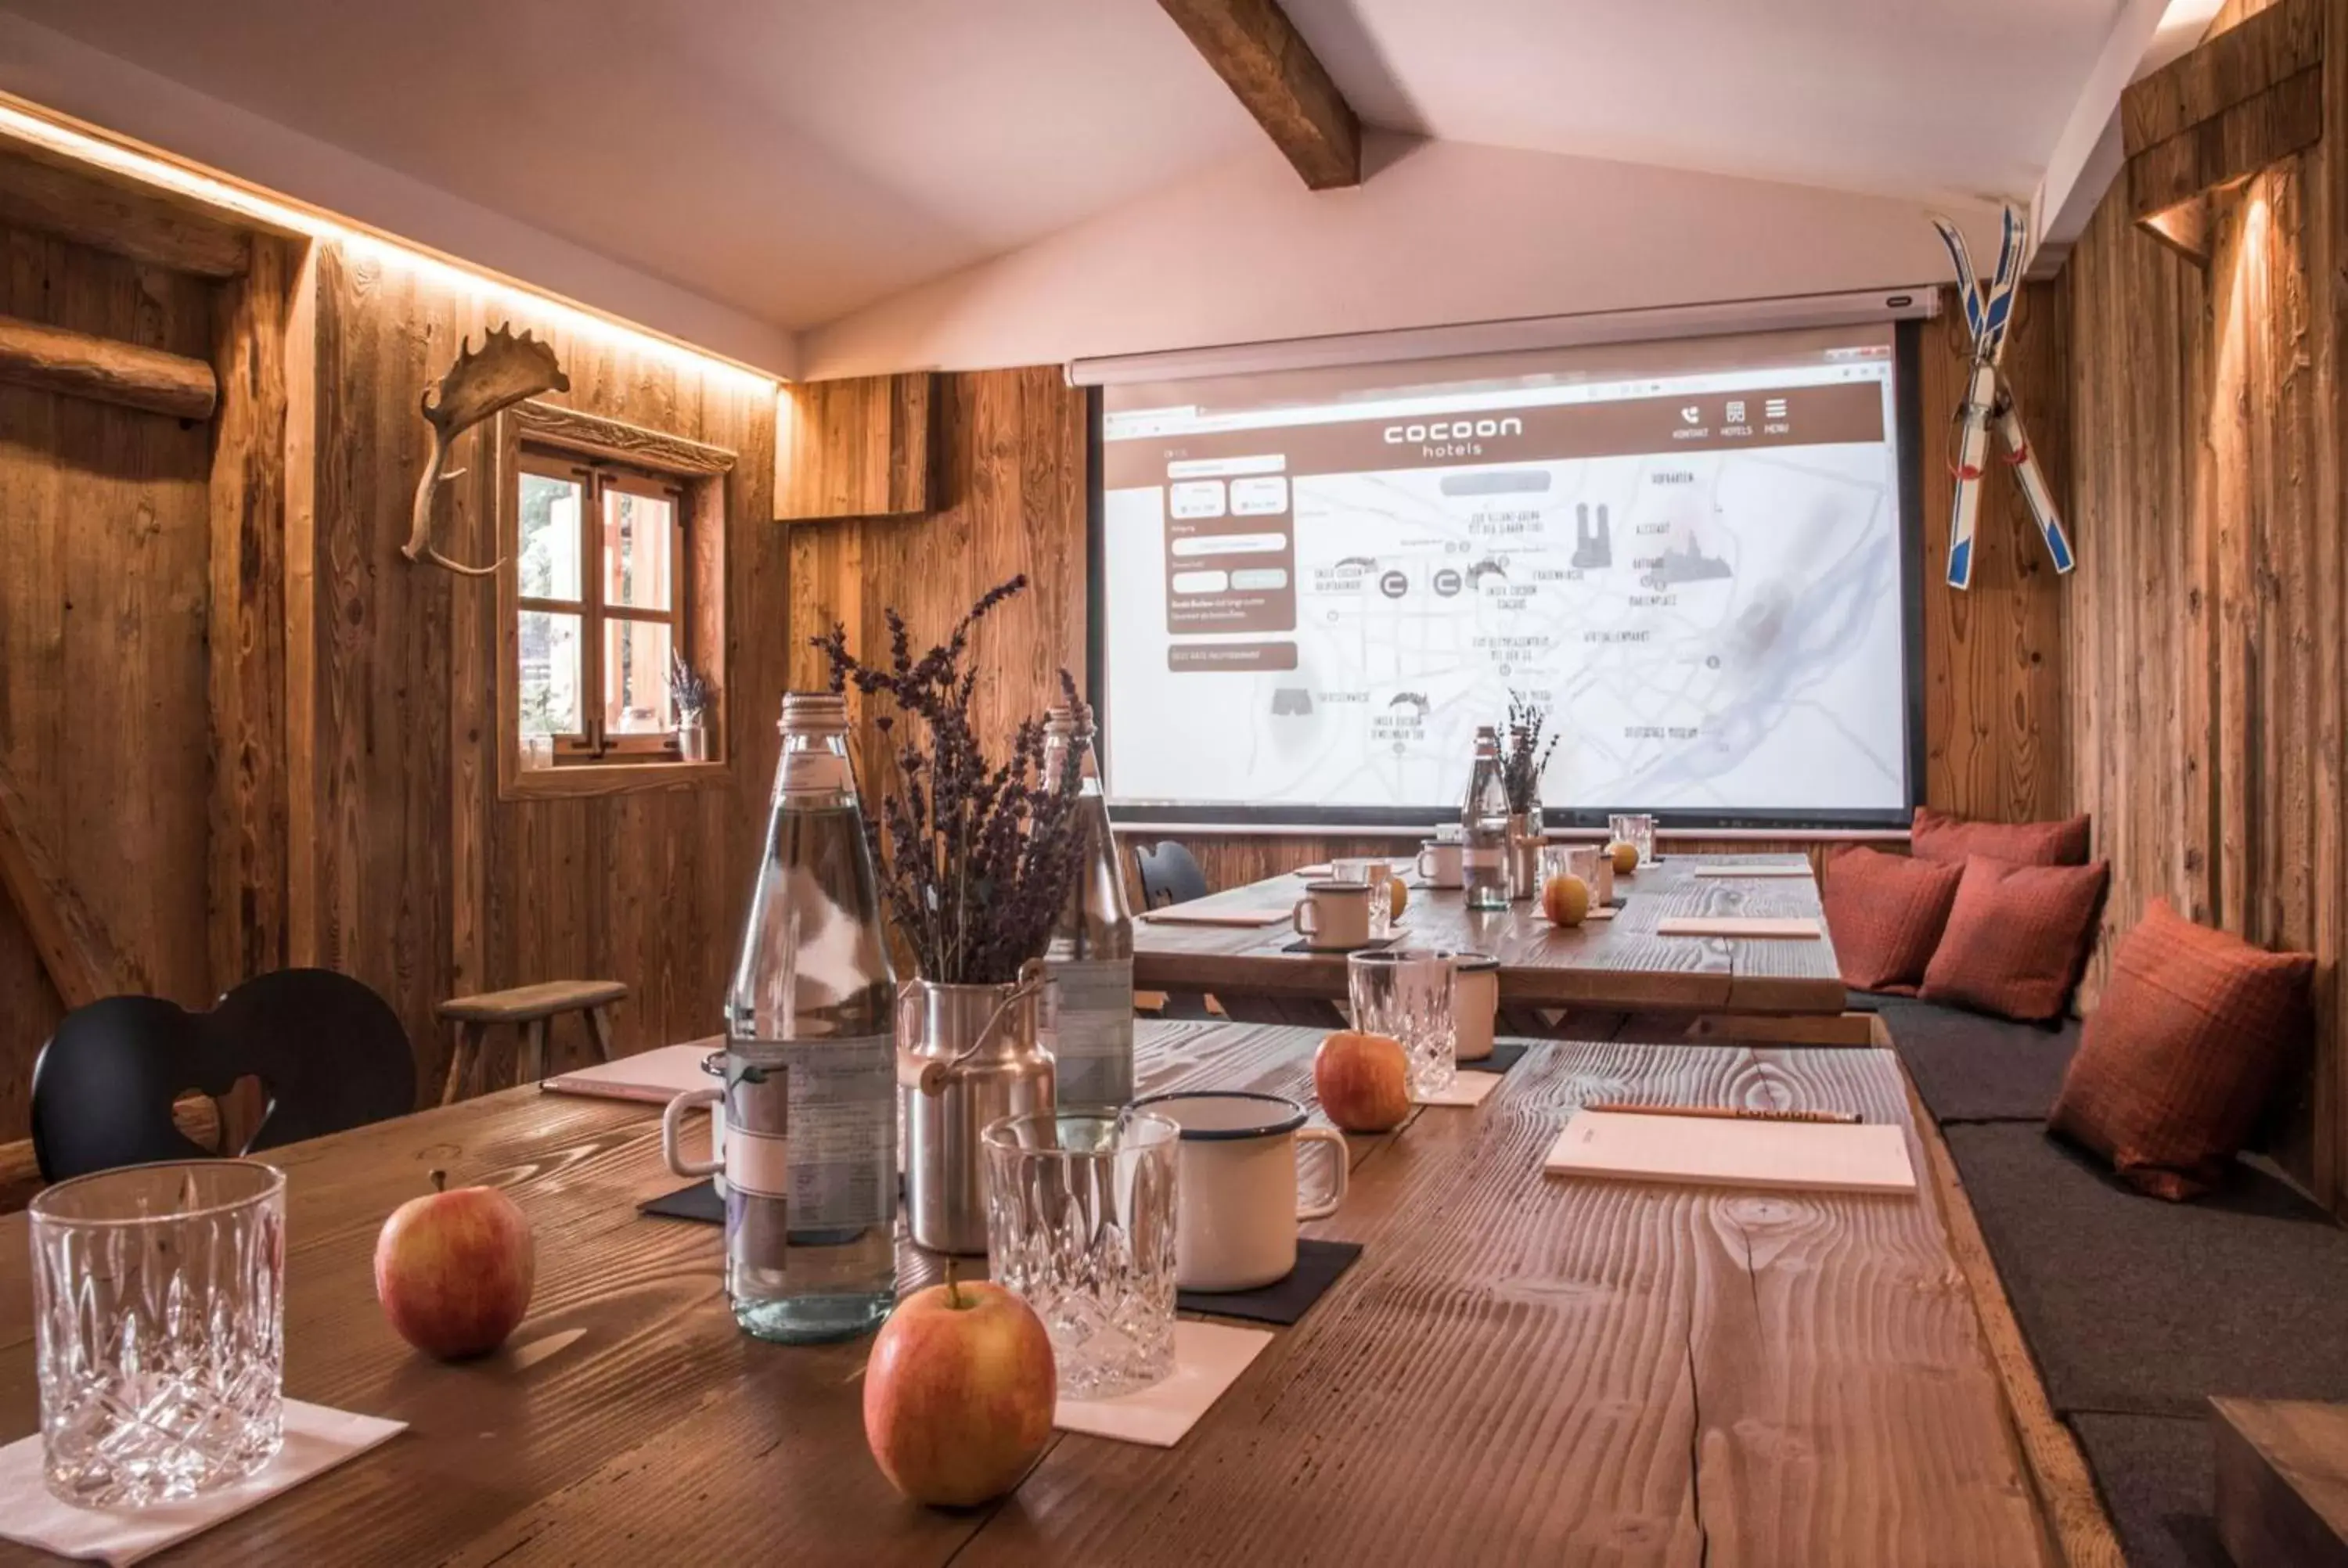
599 1024
466 1045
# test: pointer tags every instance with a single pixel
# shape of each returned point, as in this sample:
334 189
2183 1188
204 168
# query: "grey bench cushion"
2133 1306
1970 1067
2158 1481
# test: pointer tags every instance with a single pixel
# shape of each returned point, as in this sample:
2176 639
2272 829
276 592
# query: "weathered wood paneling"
2205 635
1012 500
102 639
425 884
861 447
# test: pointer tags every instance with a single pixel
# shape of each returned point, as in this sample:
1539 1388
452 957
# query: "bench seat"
2135 1311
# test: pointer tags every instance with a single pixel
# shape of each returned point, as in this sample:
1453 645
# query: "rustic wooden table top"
1622 963
1518 1369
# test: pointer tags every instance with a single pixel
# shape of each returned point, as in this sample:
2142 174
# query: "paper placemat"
1323 869
1208 1359
1802 870
1803 928
658 1076
1284 1301
1176 915
316 1440
1814 1155
1469 1087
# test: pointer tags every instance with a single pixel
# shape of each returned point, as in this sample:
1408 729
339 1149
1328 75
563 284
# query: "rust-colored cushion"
2179 1057
1937 835
1885 913
2018 938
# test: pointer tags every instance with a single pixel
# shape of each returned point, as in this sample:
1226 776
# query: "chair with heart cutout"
328 1053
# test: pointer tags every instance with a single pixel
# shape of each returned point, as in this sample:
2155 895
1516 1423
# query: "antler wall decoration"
507 370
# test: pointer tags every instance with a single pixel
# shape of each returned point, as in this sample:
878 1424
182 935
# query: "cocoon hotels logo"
1453 430
1452 437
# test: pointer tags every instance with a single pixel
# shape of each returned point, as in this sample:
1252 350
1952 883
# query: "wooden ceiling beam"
44 189
1257 51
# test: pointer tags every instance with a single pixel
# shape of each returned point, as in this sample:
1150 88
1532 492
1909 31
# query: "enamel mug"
1438 863
1334 916
1475 1003
673 1126
1236 1202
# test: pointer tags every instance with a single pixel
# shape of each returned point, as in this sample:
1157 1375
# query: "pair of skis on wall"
1989 308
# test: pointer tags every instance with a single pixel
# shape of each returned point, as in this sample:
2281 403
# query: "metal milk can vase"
967 1055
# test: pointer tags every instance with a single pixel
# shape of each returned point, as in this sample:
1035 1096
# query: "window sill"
575 780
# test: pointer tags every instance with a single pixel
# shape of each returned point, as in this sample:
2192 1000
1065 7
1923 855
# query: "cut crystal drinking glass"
158 1329
1080 1223
1406 992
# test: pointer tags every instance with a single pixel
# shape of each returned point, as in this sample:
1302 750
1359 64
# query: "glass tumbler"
1080 1223
158 1302
1379 874
1406 992
1637 829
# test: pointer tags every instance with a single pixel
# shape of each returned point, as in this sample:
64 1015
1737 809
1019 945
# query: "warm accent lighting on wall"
31 123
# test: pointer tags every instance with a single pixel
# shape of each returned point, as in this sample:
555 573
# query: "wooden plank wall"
2205 625
103 626
1010 464
421 881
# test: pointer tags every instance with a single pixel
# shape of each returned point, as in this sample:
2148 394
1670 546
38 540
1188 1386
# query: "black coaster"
1506 1053
698 1201
1302 945
1284 1301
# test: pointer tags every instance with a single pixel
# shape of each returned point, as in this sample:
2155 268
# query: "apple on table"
959 1393
1362 1080
454 1269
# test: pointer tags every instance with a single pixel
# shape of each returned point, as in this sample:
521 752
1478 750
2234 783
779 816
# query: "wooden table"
1520 1369
1620 964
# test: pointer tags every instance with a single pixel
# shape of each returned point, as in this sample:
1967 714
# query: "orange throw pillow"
1937 835
2176 1060
2018 938
1885 913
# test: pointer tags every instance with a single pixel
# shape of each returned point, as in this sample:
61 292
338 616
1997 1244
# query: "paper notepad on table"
1793 928
1176 915
1820 1156
657 1076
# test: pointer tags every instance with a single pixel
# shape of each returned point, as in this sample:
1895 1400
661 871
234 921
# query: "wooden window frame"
604 455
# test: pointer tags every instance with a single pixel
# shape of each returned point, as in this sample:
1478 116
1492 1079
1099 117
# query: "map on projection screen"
1314 587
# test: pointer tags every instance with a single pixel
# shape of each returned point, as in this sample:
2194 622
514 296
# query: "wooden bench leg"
468 1046
599 1024
533 1052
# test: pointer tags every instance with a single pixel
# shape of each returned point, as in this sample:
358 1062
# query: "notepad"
1797 928
1177 915
1816 1156
654 1076
1803 870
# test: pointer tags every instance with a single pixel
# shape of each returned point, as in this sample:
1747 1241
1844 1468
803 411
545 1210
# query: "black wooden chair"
328 1052
1170 875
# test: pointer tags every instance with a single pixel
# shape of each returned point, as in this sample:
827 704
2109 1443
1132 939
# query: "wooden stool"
530 1007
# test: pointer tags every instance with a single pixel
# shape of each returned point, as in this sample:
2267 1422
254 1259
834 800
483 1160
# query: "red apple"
958 1396
454 1269
1362 1080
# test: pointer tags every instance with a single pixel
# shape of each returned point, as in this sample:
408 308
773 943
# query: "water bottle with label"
1483 826
810 1059
1089 1010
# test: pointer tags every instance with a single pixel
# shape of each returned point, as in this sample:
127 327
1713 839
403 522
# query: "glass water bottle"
1089 1014
1483 826
810 1059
